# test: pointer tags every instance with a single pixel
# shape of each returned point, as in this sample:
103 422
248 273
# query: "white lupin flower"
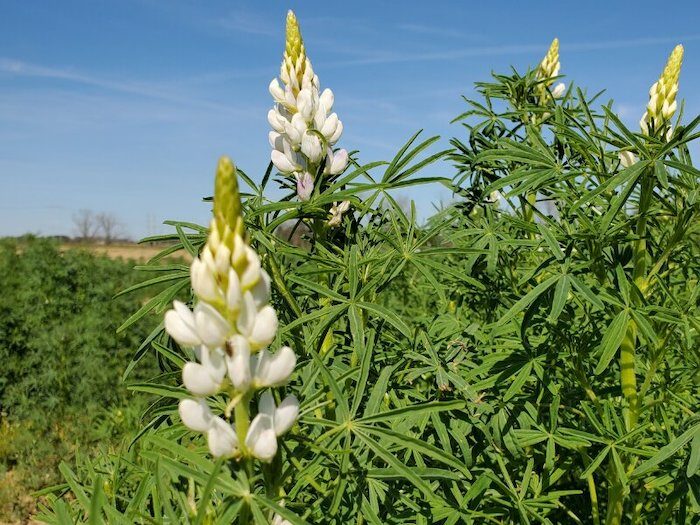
270 423
305 185
279 520
337 211
283 163
283 416
311 147
271 370
195 414
337 162
205 378
627 159
222 438
301 113
261 439
230 328
559 90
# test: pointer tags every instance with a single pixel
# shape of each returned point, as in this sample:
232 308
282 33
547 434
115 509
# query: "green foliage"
532 360
61 362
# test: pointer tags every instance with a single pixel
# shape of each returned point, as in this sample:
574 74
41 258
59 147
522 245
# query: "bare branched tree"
109 226
85 224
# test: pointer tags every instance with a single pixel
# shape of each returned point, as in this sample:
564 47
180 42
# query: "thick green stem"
628 376
242 423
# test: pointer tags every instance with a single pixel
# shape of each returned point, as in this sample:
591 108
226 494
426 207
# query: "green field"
61 394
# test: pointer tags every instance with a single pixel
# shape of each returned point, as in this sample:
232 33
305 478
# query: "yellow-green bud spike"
227 199
294 47
549 67
662 95
294 51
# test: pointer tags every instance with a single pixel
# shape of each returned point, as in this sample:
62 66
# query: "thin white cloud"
392 57
435 31
249 23
20 68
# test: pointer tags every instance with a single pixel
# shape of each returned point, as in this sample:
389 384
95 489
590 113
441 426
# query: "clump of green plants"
60 380
529 354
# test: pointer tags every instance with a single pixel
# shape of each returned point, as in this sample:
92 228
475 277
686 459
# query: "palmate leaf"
612 340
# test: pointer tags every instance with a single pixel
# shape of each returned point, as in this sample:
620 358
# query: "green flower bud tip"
549 67
227 199
294 47
662 95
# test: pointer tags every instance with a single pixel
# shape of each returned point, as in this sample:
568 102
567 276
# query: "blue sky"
125 106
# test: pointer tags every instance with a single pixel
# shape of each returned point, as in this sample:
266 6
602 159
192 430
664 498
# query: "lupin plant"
304 128
475 369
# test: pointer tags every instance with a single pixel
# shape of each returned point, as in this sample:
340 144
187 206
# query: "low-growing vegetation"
61 393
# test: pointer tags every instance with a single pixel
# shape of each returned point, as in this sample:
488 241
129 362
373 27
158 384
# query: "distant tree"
85 224
109 226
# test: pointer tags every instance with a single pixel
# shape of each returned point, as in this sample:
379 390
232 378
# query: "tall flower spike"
230 328
304 128
662 97
549 68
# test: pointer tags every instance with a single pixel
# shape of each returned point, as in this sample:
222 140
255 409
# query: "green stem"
628 377
615 497
242 423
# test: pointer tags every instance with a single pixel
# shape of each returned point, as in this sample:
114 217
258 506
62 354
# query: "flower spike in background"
230 328
546 71
662 98
304 129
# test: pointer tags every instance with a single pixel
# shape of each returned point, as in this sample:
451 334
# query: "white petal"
265 327
327 98
221 438
198 380
339 162
239 364
261 439
203 281
261 291
329 126
275 120
276 91
274 369
305 185
286 414
233 294
180 325
338 132
627 159
247 314
211 326
293 134
305 104
559 90
282 163
251 274
195 414
214 362
266 404
222 261
311 147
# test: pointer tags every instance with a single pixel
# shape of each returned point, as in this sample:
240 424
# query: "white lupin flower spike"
229 329
302 120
